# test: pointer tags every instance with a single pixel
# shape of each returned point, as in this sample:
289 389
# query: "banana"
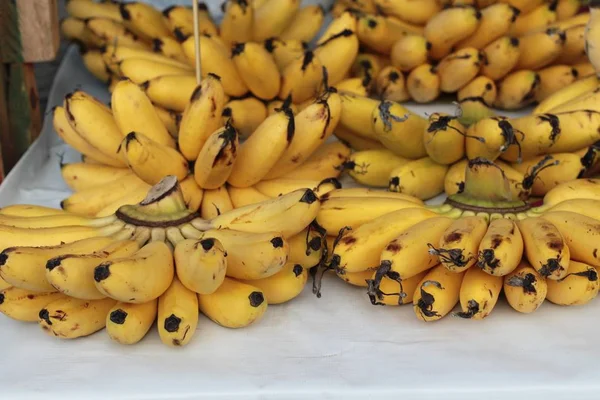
216 159
412 11
24 305
517 90
337 54
285 51
546 249
571 227
94 122
370 193
585 101
407 255
578 189
30 210
284 285
312 127
501 248
387 295
390 85
4 284
356 141
423 84
81 176
409 52
150 160
215 61
356 115
289 214
481 87
553 79
169 47
579 19
252 164
70 318
422 178
444 139
177 315
133 111
479 294
454 181
346 20
240 197
458 247
201 117
592 49
170 120
473 110
308 247
535 20
237 23
586 207
86 10
75 30
257 69
180 21
133 195
301 78
128 323
143 20
573 50
373 32
437 294
449 27
578 287
160 91
272 18
274 105
373 167
561 167
496 21
140 70
142 277
399 130
73 274
245 115
92 60
234 304
567 9
525 289
110 31
360 249
340 212
305 25
215 202
458 69
326 162
500 57
359 279
114 55
399 28
585 69
539 49
280 186
353 86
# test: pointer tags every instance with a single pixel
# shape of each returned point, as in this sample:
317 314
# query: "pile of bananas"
479 243
155 261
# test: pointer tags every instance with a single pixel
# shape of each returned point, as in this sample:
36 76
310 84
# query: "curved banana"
423 84
326 162
450 26
457 248
545 248
563 96
458 69
128 323
180 20
216 159
111 31
337 54
444 139
305 25
399 129
143 20
437 294
245 115
555 78
422 178
301 78
356 141
412 11
75 30
160 91
70 318
284 285
285 51
356 115
81 176
237 23
517 90
257 69
573 50
496 21
481 87
537 50
95 64
169 47
578 189
280 186
578 287
24 305
500 57
86 10
215 202
535 20
479 294
30 210
501 248
551 170
525 289
177 315
373 167
409 52
272 17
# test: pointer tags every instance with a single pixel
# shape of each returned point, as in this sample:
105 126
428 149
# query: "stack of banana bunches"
221 196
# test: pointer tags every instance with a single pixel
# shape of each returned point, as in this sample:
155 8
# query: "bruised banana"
177 315
24 305
444 139
479 293
373 167
437 294
70 318
501 248
216 159
578 287
525 289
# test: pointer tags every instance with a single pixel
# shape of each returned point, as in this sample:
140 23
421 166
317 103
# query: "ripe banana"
180 21
458 247
437 294
305 24
110 31
422 178
412 11
308 247
482 88
81 176
160 91
128 323
501 248
525 289
356 141
444 139
215 202
234 304
143 20
216 159
24 305
373 167
479 294
326 162
284 285
399 130
245 115
537 50
30 210
449 27
237 23
551 170
353 86
337 54
459 68
423 84
86 10
573 51
517 90
301 78
272 17
535 20
373 33
177 315
281 186
70 318
75 29
409 52
356 115
578 189
500 57
496 21
257 69
94 63
390 85
200 264
169 47
553 79
240 197
285 51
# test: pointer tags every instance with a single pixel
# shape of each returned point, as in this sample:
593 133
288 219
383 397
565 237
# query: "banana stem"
189 232
103 221
142 235
157 235
174 235
201 224
111 229
125 233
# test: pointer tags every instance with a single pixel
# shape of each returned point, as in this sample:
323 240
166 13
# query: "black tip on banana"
277 242
157 45
425 303
472 309
270 45
553 5
207 244
237 49
102 272
516 12
314 244
308 58
125 14
256 299
1 298
172 323
226 112
45 315
309 197
552 265
54 262
3 257
297 270
514 41
180 36
118 317
168 10
334 181
526 283
62 204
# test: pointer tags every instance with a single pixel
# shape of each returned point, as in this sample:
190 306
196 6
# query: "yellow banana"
237 23
422 178
240 197
525 289
110 31
177 315
81 176
586 207
93 121
273 17
399 129
571 227
353 86
398 27
457 248
305 24
284 285
114 55
133 112
578 189
573 50
360 249
215 61
500 57
454 181
4 284
216 159
535 20
140 70
257 69
142 277
539 49
169 47
234 304
390 85
326 162
444 139
86 10
201 117
143 20
409 52
337 54
373 167
356 141
274 105
373 32
160 91
75 30
437 294
473 110
423 84
412 11
501 248
551 170
24 305
481 87
578 287
450 26
170 120
128 323
180 21
479 294
215 202
566 9
585 101
70 318
94 63
245 115
387 294
308 247
132 195
285 51
280 186
252 164
356 115
553 79
525 6
517 90
496 21
592 32
359 279
459 68
301 78
30 210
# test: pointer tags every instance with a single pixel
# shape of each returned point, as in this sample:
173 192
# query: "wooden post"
28 34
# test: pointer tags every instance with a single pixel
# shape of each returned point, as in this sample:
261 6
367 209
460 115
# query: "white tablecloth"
339 346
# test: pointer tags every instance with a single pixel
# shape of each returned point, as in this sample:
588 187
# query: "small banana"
70 318
412 11
457 248
245 115
240 197
337 54
517 90
422 178
128 323
326 162
458 69
215 202
95 64
301 78
86 10
373 32
305 25
390 85
437 294
479 294
257 69
573 50
75 29
409 52
553 79
237 23
450 26
356 141
200 264
356 115
525 289
284 285
285 51
535 20
24 305
549 171
496 21
501 248
160 91
216 159
444 139
180 20
177 315
143 20
500 57
578 287
537 50
373 167
169 47
423 84
482 88
272 17
110 31
81 176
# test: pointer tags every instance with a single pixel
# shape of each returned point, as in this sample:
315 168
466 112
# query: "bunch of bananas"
155 261
481 242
